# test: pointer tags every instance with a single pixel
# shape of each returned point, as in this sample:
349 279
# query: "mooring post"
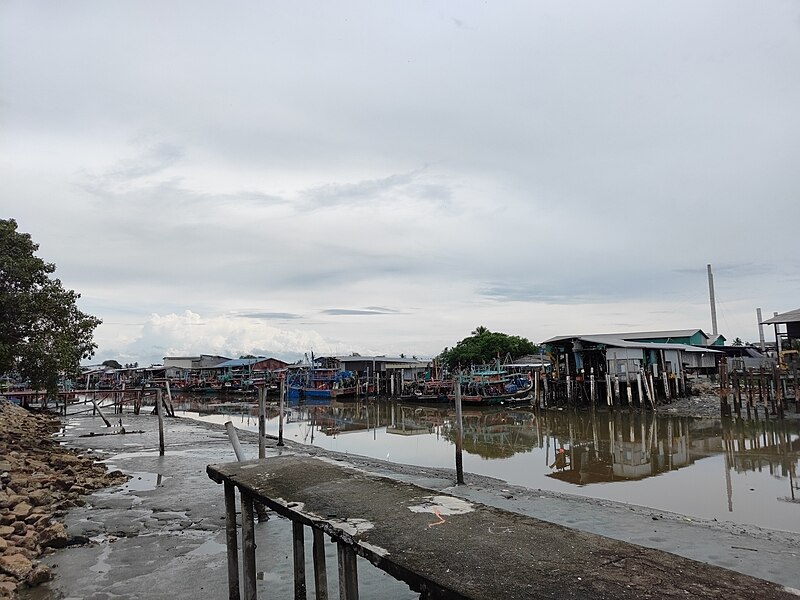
169 400
159 411
234 439
299 555
262 423
459 432
231 542
639 387
320 568
348 573
591 386
280 412
248 546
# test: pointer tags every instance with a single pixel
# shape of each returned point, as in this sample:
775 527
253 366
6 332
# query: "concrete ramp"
447 547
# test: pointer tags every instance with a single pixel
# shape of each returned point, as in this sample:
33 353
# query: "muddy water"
736 470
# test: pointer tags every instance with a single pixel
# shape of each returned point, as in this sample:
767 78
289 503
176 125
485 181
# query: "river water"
743 471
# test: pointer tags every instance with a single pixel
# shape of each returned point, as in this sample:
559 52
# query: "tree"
43 334
738 342
112 364
483 346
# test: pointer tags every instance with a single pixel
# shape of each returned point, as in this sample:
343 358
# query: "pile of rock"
39 481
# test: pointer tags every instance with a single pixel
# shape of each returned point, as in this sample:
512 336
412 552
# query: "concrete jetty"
446 547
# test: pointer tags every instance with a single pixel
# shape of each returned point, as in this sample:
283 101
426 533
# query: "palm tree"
480 330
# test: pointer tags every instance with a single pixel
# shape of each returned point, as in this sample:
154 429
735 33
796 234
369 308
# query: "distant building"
791 320
624 354
194 362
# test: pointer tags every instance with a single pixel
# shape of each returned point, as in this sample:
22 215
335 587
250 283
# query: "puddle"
208 548
143 481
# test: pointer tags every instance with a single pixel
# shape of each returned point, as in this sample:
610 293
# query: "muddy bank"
39 482
166 524
705 403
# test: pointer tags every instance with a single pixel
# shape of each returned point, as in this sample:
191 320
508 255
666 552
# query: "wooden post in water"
159 411
546 395
299 555
280 412
723 388
169 401
609 396
262 423
776 375
320 567
459 432
231 542
536 384
248 547
592 387
639 386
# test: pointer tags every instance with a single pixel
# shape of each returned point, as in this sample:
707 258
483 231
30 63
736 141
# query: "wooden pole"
262 423
280 412
639 387
320 567
99 412
231 542
237 447
299 555
169 401
248 547
348 573
159 411
459 433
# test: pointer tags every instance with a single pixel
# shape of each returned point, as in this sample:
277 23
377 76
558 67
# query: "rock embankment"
39 481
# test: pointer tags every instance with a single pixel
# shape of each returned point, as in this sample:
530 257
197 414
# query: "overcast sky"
383 177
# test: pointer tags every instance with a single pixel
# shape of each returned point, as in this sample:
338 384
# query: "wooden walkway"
445 547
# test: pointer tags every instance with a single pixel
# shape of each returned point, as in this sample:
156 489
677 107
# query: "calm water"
740 471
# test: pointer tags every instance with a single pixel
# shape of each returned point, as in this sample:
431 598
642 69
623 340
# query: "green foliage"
484 346
112 364
43 333
738 342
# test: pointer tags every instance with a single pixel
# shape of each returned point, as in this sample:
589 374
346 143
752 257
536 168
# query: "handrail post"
231 542
248 546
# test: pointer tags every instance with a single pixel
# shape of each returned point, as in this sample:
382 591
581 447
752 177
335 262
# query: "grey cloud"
281 316
365 311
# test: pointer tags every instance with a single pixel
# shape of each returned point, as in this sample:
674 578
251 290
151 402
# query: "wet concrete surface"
160 537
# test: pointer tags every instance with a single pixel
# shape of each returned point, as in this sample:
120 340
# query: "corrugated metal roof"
238 362
608 340
635 335
793 316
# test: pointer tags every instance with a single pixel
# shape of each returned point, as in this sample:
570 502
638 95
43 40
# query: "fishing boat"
428 392
494 385
324 382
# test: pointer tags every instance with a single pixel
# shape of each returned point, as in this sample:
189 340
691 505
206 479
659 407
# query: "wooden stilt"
299 555
459 433
280 412
231 542
262 423
320 567
248 547
348 573
159 411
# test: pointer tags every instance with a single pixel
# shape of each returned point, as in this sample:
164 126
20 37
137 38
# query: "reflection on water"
744 471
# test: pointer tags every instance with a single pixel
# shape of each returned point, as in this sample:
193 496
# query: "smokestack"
713 304
760 330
